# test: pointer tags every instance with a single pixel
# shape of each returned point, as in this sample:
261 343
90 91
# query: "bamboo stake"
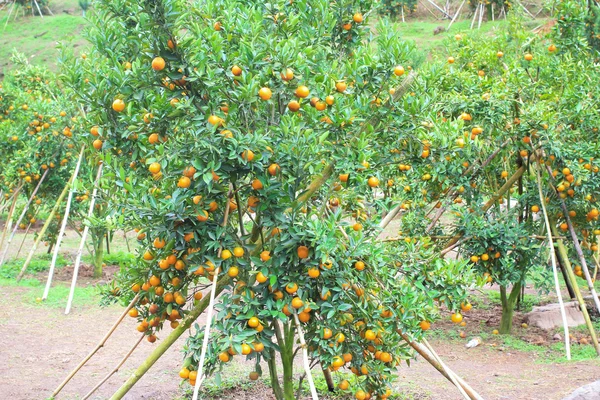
63 225
554 269
98 347
311 383
115 369
23 213
169 340
43 231
211 305
474 16
577 246
424 352
9 13
38 7
450 373
439 8
8 223
82 242
493 12
402 12
564 256
456 15
480 16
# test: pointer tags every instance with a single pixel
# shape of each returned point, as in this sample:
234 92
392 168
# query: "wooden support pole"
43 231
311 383
164 345
82 242
554 269
211 306
98 347
114 370
63 226
456 15
564 258
446 372
23 213
8 223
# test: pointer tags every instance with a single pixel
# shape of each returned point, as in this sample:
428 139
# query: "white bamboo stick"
63 225
211 305
474 16
480 16
82 243
456 15
23 213
311 383
554 268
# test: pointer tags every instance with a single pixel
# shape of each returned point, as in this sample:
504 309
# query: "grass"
21 34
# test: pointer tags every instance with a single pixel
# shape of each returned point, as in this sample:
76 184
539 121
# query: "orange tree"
495 114
250 142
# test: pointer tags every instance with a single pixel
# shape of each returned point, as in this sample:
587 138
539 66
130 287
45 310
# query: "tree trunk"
274 376
508 307
98 256
287 360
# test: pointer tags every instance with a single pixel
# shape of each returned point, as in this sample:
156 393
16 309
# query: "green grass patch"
40 263
41 50
33 290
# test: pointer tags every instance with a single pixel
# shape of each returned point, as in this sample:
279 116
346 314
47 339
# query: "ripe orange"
302 92
184 373
236 71
287 75
257 184
370 335
225 254
373 182
265 256
360 395
248 155
456 318
274 169
184 182
158 64
238 251
358 18
450 60
118 105
341 86
297 302
535 209
291 288
302 252
253 376
343 385
466 306
159 243
359 265
425 325
233 272
294 106
246 349
261 278
97 144
528 57
253 322
224 357
154 168
265 93
399 70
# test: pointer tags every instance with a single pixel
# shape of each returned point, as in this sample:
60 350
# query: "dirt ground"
42 345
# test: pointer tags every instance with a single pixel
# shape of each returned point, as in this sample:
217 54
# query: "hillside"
37 37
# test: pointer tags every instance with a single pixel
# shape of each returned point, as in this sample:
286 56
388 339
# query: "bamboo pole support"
450 372
564 256
82 242
43 231
8 223
563 313
211 306
98 347
456 15
424 352
311 383
165 344
577 246
114 370
23 213
474 16
63 226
